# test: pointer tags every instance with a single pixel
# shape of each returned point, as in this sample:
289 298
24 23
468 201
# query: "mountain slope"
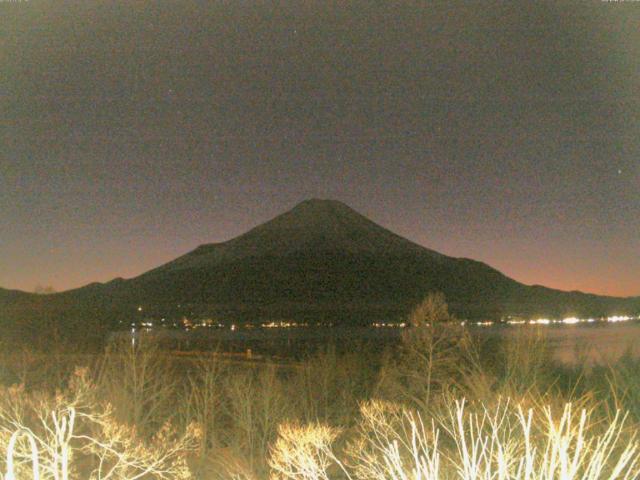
8 297
321 254
324 261
313 225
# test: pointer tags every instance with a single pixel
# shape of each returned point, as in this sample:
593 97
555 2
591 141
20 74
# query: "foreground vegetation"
441 406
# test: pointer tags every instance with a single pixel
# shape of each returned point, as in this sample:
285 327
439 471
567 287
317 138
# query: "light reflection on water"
572 339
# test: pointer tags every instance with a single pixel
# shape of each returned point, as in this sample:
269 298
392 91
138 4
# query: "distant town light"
516 322
571 320
540 321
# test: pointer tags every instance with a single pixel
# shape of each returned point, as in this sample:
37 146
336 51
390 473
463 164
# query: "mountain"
320 261
8 297
311 226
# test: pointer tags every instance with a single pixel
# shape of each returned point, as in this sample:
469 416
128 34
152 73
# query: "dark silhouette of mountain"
9 296
319 261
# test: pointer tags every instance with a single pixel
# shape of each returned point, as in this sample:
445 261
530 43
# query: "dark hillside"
321 260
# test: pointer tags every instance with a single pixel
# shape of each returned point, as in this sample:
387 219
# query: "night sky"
131 132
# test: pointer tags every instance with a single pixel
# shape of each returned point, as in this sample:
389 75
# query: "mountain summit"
322 261
320 226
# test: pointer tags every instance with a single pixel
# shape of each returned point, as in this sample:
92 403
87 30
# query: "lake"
594 342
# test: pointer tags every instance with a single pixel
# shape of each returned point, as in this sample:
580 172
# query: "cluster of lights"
208 323
283 324
571 320
540 321
188 324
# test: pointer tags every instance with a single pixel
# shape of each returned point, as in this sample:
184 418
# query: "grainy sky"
506 132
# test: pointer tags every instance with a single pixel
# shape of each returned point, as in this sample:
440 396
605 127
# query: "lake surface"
596 342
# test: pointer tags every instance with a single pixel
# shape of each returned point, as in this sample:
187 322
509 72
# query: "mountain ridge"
304 226
321 258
